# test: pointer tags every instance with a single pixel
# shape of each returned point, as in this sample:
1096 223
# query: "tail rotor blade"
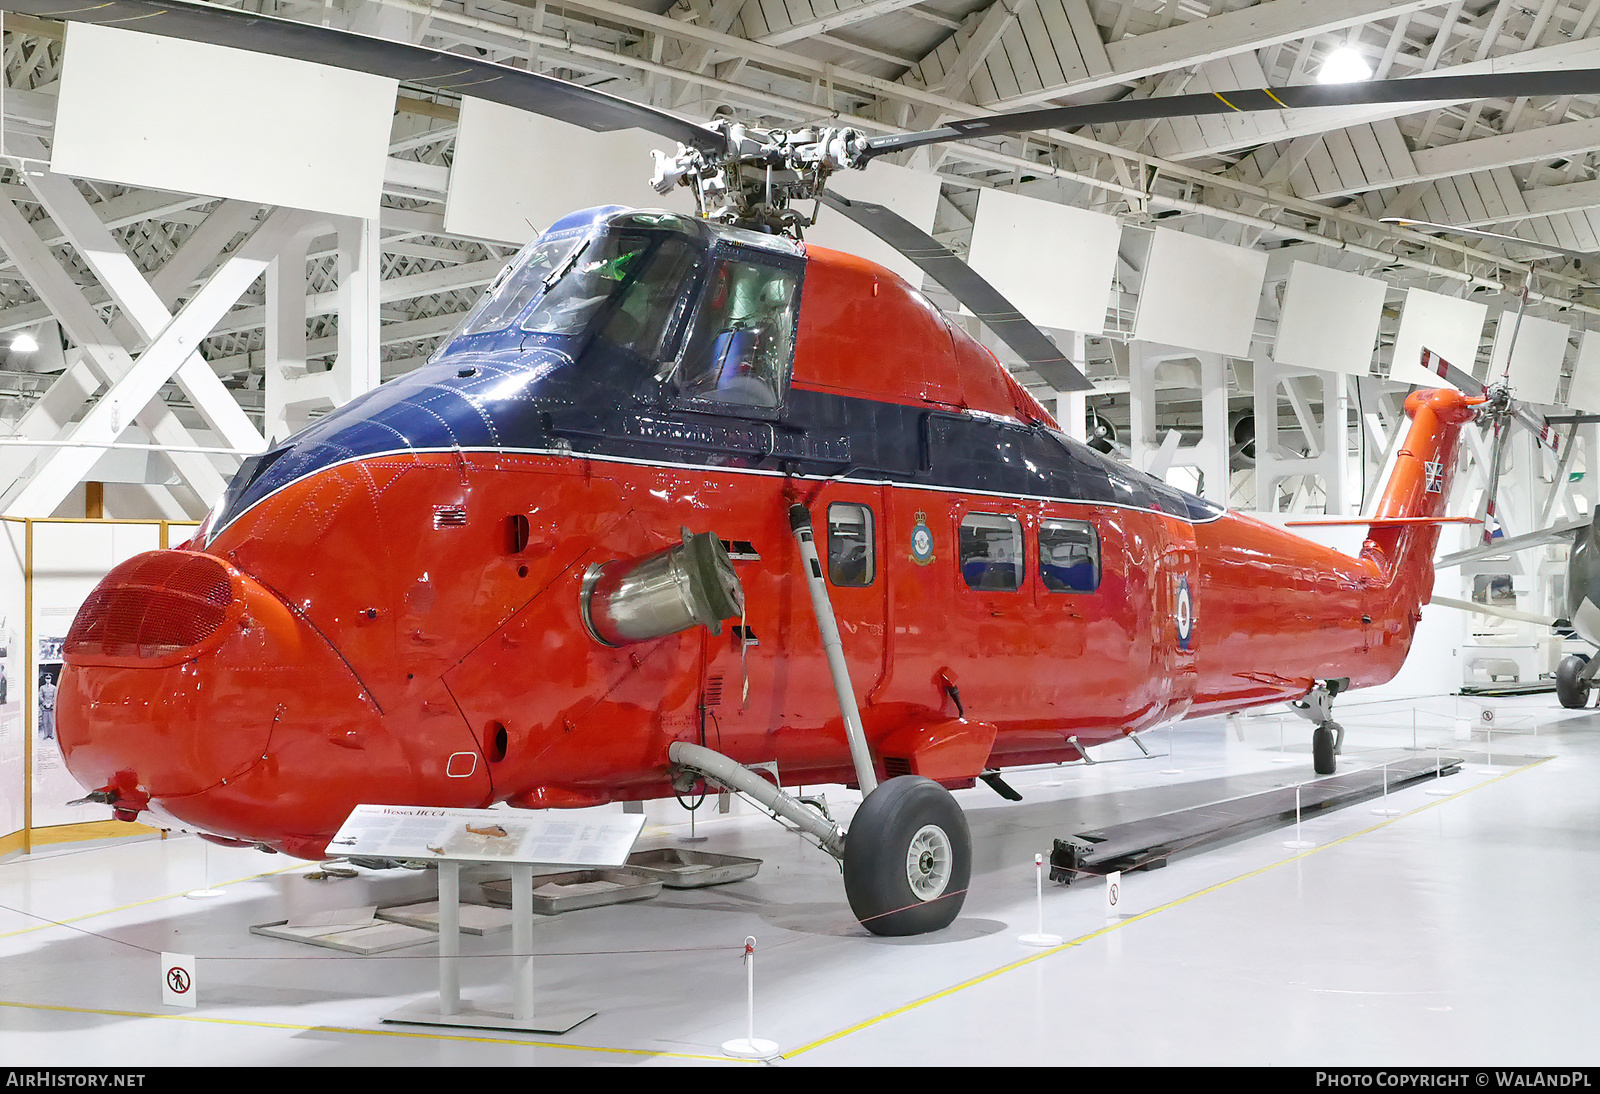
1450 374
1496 458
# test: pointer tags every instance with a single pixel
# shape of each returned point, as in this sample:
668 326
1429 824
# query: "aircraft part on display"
504 576
1150 843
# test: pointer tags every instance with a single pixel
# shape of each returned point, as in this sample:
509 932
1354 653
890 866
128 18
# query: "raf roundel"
1183 613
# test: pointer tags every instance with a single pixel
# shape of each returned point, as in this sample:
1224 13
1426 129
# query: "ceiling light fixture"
1344 65
24 343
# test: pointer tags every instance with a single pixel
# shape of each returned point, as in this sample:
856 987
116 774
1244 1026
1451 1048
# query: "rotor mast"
755 179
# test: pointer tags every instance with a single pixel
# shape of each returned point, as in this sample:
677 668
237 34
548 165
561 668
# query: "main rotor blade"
416 65
1402 222
964 283
1420 90
1516 543
1495 610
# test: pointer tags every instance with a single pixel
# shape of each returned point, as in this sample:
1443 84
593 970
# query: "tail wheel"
1571 688
1322 755
907 858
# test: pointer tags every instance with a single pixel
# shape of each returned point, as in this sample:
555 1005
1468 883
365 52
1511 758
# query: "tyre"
907 858
1322 757
1571 688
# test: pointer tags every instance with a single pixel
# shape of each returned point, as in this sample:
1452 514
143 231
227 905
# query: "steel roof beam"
140 384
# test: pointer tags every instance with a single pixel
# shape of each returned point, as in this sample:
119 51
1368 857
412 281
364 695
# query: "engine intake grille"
151 606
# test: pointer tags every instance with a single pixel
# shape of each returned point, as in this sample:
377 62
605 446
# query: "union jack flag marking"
1435 470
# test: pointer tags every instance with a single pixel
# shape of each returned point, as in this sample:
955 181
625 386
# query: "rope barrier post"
1384 810
1297 843
1039 938
1437 791
750 1047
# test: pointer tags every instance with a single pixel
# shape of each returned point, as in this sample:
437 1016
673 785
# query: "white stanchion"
1297 843
750 1047
1172 754
1039 938
1385 810
207 891
1283 757
1437 791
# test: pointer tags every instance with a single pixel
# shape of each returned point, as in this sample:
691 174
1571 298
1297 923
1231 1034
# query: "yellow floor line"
417 1034
1091 936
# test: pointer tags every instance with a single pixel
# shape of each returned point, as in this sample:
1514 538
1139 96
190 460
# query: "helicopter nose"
178 669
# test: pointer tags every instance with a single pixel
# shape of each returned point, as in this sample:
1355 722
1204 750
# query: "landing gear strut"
907 857
1327 739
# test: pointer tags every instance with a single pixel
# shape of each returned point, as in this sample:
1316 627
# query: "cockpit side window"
636 285
524 280
742 347
647 313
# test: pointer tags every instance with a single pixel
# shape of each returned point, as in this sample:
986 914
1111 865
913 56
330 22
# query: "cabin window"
743 341
991 552
1069 556
851 560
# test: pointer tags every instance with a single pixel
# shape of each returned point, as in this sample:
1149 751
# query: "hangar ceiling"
1322 178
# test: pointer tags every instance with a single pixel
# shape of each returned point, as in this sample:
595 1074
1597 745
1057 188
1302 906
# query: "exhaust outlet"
634 600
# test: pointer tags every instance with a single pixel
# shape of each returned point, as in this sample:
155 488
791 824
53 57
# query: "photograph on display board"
49 680
53 785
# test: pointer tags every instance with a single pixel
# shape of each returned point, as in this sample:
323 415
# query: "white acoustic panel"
1537 348
141 110
1053 262
1199 294
1330 320
516 173
912 194
1584 394
1447 325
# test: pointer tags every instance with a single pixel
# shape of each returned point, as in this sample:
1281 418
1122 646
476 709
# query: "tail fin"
1404 531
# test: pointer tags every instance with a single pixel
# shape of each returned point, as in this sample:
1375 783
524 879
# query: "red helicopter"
683 495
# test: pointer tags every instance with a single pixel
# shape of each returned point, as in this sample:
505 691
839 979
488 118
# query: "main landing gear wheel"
1322 749
1571 688
907 858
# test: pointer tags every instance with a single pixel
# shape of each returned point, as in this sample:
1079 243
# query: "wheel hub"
928 862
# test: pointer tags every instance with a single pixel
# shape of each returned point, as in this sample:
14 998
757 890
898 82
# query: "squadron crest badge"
921 540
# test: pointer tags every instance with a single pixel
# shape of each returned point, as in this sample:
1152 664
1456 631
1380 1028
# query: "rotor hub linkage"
759 173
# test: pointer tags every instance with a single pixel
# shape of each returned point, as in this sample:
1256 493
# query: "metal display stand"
451 837
449 1010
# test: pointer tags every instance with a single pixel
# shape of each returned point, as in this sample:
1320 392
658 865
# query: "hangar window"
1069 556
850 554
991 551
